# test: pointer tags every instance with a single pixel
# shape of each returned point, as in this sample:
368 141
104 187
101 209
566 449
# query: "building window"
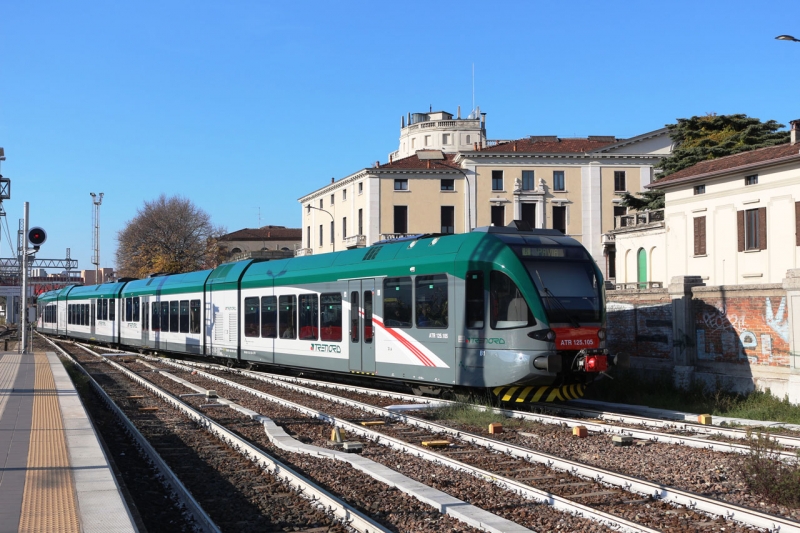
752 229
333 197
619 211
619 181
401 219
413 143
344 228
320 203
560 218
445 138
467 141
448 219
361 222
699 189
498 215
331 231
448 185
497 180
344 194
527 180
320 235
558 180
427 140
308 233
401 185
360 187
751 180
529 214
700 236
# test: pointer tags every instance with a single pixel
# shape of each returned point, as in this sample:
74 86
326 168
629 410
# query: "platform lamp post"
96 200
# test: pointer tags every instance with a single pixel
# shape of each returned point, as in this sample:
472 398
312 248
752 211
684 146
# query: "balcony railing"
303 251
391 236
637 285
355 241
638 219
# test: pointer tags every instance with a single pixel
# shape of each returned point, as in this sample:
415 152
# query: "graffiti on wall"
742 329
643 330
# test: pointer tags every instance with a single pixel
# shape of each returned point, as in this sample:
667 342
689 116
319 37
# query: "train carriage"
502 308
50 306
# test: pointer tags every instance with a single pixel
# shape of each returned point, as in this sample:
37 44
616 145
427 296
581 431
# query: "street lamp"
787 38
309 207
96 236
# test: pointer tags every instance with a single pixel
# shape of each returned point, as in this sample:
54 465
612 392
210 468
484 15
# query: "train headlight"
543 335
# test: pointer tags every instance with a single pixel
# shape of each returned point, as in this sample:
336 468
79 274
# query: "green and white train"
519 312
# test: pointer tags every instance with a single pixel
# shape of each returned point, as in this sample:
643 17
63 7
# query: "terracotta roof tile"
414 163
731 162
267 233
558 146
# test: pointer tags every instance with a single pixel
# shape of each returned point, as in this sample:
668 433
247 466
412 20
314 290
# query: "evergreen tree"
708 137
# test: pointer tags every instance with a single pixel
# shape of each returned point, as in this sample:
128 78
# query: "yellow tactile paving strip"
48 503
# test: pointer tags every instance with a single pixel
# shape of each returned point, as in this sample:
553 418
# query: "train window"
269 317
194 316
164 316
136 309
431 301
84 313
93 312
145 316
105 308
287 316
309 317
112 309
508 306
476 300
251 318
331 317
397 302
128 309
367 317
98 309
174 316
184 316
354 316
156 316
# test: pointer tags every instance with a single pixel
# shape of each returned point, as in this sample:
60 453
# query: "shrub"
767 475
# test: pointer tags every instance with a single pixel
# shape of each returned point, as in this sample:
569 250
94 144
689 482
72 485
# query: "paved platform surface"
54 476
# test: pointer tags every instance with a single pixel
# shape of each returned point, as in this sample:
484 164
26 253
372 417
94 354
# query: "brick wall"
742 324
640 323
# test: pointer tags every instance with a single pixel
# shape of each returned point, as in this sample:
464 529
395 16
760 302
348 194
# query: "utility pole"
97 200
23 323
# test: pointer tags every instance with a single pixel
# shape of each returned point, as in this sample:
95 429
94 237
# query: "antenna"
473 86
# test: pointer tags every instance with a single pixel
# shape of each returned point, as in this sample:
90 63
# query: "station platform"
54 475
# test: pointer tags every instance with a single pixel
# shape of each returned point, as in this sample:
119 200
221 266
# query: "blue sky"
246 106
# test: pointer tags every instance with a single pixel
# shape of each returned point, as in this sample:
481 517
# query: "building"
733 220
270 242
450 186
90 276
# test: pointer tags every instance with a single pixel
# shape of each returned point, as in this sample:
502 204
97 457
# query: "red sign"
576 338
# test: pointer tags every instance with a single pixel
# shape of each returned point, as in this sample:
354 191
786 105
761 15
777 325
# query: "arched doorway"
641 268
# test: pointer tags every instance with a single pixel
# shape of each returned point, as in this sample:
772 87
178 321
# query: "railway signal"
37 236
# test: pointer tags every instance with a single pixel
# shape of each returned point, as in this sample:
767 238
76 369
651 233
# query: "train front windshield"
567 283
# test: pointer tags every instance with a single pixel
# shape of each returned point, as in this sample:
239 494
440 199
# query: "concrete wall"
741 337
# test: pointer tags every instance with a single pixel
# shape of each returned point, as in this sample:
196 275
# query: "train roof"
170 284
55 294
104 290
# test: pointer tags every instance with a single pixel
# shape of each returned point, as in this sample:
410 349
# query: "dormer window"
751 180
699 189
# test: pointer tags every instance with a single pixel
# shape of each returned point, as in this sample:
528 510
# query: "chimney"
515 147
459 113
475 146
795 128
402 122
377 164
429 163
390 158
332 180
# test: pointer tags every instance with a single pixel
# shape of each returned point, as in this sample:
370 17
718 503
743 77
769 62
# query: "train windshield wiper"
552 298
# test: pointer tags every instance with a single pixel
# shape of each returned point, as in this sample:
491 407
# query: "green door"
642 269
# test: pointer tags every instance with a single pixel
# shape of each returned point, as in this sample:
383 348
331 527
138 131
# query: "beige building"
90 277
267 241
569 184
733 220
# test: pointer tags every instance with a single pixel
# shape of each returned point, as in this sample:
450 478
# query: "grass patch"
659 391
79 379
767 475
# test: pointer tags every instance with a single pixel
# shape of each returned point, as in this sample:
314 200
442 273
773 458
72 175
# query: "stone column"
684 337
791 284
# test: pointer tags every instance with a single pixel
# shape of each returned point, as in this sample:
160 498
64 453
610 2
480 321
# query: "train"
515 311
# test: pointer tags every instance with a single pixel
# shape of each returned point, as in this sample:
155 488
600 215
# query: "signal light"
37 236
596 363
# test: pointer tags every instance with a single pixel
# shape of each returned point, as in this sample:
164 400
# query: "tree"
167 235
708 137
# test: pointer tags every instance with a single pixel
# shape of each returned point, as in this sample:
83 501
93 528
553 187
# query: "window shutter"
762 228
740 229
700 236
797 223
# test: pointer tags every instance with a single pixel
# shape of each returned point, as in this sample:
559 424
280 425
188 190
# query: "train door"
360 294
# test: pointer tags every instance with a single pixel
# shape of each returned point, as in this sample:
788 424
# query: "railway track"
691 519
